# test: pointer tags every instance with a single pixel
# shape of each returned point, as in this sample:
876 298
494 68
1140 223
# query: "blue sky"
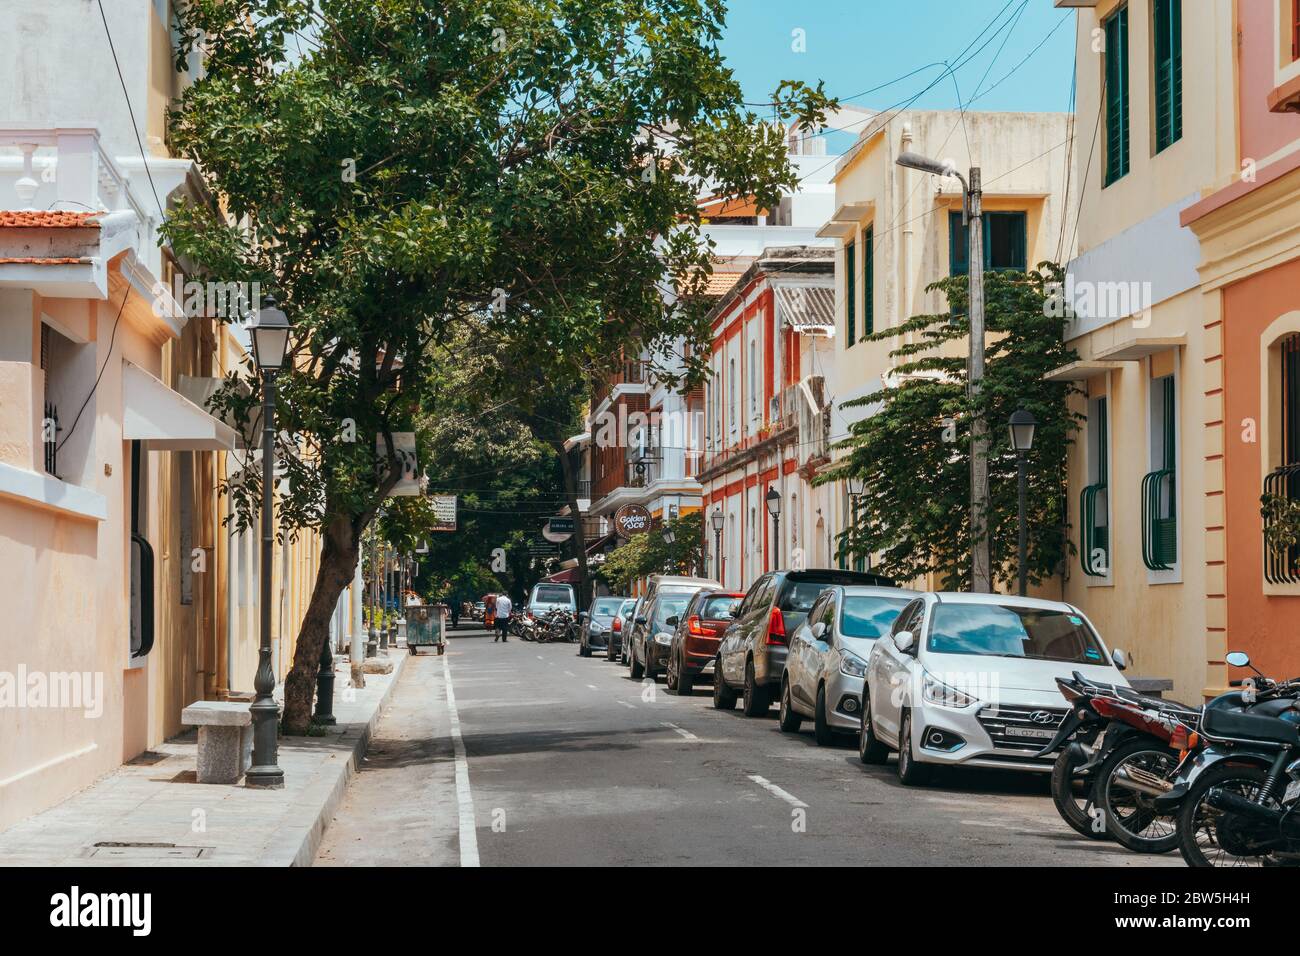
855 45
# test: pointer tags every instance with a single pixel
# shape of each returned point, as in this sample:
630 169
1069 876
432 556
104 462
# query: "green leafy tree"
649 553
392 169
913 454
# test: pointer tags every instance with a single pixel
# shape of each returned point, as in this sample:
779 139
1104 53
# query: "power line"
130 112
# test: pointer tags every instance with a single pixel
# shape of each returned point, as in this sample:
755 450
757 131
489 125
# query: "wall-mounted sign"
543 549
558 529
444 512
631 519
404 447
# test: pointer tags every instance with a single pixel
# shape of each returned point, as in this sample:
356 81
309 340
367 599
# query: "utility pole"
973 217
981 563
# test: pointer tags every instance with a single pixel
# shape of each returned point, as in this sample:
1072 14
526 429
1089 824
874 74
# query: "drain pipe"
905 253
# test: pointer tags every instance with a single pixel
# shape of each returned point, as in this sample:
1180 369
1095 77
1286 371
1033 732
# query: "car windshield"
669 607
606 607
552 594
625 612
719 607
999 630
868 615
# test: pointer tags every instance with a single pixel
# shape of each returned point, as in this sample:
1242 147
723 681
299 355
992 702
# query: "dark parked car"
652 634
696 636
751 658
620 630
595 622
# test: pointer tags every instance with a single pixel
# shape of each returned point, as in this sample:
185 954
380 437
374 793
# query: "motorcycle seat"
1249 725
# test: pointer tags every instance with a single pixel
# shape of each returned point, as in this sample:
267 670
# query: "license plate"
1292 791
1031 732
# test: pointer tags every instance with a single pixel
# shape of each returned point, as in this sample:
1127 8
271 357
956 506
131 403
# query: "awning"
165 419
570 576
1080 371
807 308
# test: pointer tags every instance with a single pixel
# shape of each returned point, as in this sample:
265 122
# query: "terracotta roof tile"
35 261
718 284
41 219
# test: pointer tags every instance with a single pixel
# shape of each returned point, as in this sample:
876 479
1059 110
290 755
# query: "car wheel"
870 749
670 674
822 732
636 667
755 697
910 773
789 719
685 680
724 698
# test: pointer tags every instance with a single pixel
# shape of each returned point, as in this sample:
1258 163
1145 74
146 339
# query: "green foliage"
913 454
648 553
1281 523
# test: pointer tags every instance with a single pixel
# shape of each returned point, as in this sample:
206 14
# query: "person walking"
503 609
454 610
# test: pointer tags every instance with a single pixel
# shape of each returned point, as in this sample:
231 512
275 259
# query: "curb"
297 844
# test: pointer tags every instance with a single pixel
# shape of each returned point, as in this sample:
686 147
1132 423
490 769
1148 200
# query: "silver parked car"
828 654
595 624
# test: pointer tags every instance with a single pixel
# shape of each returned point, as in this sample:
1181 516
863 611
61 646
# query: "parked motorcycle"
558 625
1238 796
1120 751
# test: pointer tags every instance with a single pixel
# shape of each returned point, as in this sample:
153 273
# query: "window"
1094 546
1116 95
1295 29
1282 485
868 282
1159 514
753 378
850 296
1167 26
1004 243
142 559
731 394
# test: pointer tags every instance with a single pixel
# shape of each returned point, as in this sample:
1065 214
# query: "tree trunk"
585 588
338 559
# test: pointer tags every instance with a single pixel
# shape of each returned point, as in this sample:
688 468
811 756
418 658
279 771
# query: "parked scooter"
1120 751
1237 798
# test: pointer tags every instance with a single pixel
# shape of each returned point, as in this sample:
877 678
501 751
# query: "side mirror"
582 615
819 629
672 621
640 620
904 640
1119 659
1238 659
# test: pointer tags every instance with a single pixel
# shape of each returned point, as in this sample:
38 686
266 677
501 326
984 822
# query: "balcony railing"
641 474
1159 525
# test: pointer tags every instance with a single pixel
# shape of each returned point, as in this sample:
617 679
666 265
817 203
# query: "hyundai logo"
1043 717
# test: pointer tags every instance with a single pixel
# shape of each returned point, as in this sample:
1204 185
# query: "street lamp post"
774 509
1021 426
717 520
856 486
668 534
973 218
372 638
270 339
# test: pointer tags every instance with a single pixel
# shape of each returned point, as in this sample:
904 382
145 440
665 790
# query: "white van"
547 596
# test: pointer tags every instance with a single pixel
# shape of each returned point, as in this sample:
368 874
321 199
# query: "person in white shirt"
503 618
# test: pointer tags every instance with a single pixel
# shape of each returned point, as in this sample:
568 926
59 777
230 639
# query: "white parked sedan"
970 679
828 657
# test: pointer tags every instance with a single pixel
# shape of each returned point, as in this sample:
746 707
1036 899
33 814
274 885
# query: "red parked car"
696 635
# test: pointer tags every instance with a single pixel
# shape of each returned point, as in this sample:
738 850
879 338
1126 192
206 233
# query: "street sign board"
558 529
444 512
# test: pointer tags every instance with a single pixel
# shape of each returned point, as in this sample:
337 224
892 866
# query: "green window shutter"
1168 25
1117 102
1094 535
850 296
1159 507
869 282
958 243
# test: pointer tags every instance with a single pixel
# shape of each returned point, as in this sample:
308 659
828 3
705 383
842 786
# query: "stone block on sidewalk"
377 665
225 739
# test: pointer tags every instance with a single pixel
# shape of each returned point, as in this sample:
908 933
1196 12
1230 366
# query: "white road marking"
776 791
570 674
627 705
464 796
685 733
593 687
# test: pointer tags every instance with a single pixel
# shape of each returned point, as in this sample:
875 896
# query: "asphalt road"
564 760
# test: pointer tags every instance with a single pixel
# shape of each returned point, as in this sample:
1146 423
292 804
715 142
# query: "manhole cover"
111 850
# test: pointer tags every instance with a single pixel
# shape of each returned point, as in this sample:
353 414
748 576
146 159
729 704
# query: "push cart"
426 626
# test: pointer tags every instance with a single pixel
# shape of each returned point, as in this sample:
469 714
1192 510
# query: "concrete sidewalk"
152 812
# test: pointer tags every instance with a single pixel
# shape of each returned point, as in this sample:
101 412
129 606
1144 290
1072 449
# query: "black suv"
751 658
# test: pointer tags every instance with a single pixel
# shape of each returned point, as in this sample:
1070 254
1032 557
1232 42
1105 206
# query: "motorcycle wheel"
1209 837
1072 796
1130 818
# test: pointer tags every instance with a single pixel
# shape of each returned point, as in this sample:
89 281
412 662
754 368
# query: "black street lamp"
372 637
270 340
1021 426
774 509
856 486
717 520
